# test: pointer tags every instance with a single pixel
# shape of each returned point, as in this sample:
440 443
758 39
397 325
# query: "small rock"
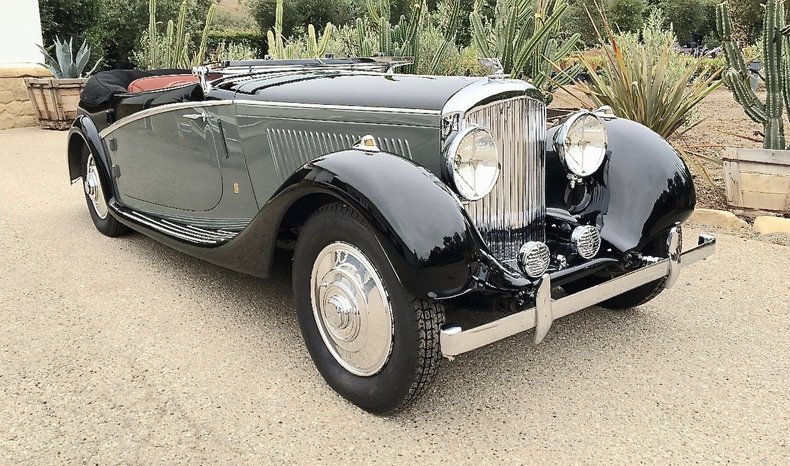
766 225
717 218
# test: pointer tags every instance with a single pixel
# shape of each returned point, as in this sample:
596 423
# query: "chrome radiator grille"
514 211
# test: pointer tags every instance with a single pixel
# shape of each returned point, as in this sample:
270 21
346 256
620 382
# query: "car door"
167 158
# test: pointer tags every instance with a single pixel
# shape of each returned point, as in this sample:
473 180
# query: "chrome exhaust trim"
454 340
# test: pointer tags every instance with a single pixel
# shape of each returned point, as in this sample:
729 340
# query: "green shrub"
68 18
173 48
113 28
647 80
243 39
622 15
224 51
688 18
299 13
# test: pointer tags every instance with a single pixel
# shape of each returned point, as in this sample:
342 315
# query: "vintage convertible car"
402 198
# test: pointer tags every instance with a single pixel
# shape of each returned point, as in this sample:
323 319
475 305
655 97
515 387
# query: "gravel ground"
123 351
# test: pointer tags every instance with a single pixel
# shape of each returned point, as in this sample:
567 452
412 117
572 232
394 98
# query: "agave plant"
67 65
646 80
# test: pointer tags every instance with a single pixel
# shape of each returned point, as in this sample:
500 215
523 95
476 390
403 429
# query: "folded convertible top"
103 86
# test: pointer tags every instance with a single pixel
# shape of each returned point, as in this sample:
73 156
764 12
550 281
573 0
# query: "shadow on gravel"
512 368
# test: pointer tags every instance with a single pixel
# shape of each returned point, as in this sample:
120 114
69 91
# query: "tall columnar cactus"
174 48
316 47
403 38
776 62
523 36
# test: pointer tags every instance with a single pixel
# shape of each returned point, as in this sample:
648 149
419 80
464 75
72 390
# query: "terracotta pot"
757 179
55 100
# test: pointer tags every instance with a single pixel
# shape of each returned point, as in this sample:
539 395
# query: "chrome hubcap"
352 309
93 188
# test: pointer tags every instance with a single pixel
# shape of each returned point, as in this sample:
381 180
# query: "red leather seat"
153 83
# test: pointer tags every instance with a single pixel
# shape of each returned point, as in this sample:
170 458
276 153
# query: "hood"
349 89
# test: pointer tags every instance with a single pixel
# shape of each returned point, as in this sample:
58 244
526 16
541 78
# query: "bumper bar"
455 341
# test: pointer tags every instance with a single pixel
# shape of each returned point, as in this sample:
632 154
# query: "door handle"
195 116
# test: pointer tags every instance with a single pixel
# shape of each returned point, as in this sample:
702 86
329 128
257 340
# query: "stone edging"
727 220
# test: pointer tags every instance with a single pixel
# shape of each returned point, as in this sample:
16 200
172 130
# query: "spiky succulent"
65 65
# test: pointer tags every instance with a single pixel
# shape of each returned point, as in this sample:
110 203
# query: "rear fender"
83 133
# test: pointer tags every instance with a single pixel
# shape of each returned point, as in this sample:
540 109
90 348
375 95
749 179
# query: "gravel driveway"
123 351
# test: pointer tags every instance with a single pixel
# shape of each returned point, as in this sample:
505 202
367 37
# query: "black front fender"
418 222
643 188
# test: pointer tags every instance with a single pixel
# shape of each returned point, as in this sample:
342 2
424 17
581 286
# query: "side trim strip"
157 110
350 108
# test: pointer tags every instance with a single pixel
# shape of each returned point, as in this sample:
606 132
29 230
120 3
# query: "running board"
184 232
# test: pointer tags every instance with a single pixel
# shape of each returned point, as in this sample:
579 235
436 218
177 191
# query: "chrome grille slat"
514 211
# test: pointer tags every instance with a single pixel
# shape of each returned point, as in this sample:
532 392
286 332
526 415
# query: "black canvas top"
102 86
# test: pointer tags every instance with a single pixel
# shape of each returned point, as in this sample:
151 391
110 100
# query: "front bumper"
455 341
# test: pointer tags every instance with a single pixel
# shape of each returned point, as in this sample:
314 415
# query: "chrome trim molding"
455 341
188 233
483 90
350 108
148 112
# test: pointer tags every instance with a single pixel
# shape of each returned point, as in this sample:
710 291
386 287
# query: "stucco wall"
16 110
20 31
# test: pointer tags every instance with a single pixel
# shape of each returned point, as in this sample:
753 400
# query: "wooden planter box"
55 100
757 179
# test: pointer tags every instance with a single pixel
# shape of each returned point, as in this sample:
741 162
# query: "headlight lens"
581 143
474 162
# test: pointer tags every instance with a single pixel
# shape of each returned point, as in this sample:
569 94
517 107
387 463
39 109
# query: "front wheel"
373 343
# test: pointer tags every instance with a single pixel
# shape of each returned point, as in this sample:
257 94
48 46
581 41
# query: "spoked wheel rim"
351 309
93 188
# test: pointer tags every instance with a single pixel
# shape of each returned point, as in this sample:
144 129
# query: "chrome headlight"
473 162
581 143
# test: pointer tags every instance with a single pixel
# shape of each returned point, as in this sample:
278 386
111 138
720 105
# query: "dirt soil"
724 125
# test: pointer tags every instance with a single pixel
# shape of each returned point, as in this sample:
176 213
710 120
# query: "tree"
68 18
747 18
299 13
686 17
622 15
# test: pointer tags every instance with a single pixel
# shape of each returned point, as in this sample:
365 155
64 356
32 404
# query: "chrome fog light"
533 258
586 241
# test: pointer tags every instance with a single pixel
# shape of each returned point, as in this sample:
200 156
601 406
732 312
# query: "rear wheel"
634 297
96 198
372 341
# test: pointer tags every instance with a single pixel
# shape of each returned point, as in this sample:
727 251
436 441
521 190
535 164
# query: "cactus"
173 49
523 36
278 48
403 39
776 60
